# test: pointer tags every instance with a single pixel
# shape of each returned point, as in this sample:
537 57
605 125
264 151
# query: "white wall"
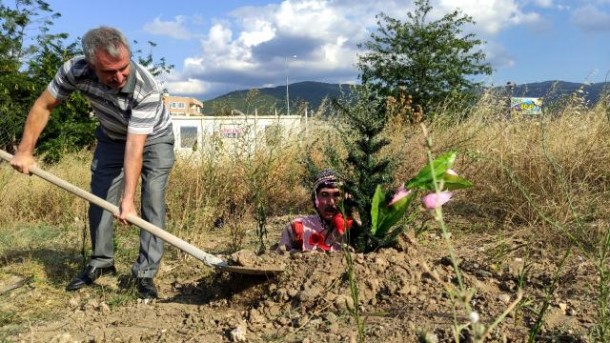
192 132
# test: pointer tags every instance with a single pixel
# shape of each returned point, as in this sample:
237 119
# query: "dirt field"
400 299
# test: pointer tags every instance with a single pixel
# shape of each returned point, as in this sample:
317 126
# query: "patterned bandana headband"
326 179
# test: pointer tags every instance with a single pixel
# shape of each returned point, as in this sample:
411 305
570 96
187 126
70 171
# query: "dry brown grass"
31 199
547 172
227 185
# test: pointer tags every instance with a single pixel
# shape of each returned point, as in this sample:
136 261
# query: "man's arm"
132 167
36 121
291 238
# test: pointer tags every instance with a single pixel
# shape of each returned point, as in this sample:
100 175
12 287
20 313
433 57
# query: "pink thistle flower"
436 200
401 192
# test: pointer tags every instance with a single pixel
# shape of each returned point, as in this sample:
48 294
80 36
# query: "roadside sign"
526 106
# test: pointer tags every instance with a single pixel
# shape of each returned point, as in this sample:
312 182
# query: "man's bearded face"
327 200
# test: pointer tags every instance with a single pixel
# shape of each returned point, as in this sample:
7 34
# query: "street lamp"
287 93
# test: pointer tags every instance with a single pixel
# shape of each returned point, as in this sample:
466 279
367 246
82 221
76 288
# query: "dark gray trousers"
107 183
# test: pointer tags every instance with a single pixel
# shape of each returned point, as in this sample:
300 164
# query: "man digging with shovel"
134 140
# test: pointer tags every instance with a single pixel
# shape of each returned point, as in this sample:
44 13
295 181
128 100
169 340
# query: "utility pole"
510 86
287 93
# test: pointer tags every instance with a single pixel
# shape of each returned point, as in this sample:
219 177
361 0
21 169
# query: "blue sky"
221 46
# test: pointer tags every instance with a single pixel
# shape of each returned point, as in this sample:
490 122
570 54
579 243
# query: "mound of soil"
399 294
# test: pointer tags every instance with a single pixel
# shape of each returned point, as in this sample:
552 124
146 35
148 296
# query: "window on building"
188 137
176 105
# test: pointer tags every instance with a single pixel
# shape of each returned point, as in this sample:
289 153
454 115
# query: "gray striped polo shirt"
136 108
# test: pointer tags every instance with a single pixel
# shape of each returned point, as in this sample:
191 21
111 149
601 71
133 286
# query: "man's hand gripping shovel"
208 259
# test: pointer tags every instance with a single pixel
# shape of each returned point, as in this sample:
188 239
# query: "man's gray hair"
106 38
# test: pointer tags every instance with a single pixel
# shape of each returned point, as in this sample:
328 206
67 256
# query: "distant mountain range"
313 93
310 92
553 90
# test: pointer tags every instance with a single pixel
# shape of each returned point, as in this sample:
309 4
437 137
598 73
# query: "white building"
183 106
194 132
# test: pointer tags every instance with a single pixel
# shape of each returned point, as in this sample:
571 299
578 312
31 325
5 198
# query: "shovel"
208 259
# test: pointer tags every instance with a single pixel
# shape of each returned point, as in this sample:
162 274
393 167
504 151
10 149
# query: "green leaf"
378 198
392 214
424 179
452 182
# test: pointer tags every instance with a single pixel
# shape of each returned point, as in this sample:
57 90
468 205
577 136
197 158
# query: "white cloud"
175 28
491 16
310 18
248 48
253 46
543 3
499 56
591 18
256 31
218 39
188 87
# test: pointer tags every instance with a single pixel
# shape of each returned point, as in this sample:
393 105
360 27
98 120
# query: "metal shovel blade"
208 259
